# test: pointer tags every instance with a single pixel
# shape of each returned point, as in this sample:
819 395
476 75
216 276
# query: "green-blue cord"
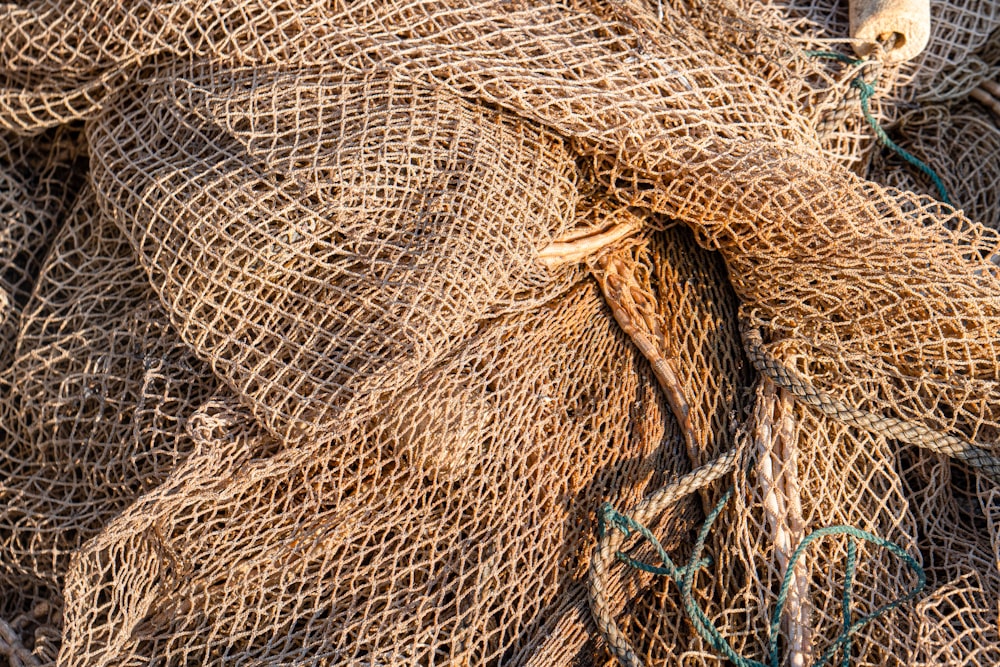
684 578
852 563
866 90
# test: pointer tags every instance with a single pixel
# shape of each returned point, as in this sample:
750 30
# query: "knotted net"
364 309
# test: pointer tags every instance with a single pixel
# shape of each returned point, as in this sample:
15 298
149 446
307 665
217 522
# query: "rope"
610 541
12 648
625 525
890 427
866 91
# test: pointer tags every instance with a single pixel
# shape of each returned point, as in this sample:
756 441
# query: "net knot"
608 516
865 89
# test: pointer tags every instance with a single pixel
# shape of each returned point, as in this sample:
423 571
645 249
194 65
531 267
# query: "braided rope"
610 541
890 427
12 648
615 527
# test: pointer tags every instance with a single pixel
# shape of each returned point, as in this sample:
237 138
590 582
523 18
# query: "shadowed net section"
100 388
38 179
686 285
319 237
682 284
349 551
957 515
808 472
958 624
962 142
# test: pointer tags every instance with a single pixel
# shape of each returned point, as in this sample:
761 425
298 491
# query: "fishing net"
36 187
962 141
386 547
315 372
325 277
807 472
98 394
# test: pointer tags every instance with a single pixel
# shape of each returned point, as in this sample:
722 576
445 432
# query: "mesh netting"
808 472
345 550
329 275
365 308
36 187
962 141
99 391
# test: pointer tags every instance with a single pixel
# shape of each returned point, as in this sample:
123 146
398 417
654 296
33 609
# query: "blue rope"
866 91
852 562
684 578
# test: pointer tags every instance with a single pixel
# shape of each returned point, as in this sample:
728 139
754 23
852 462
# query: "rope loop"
684 576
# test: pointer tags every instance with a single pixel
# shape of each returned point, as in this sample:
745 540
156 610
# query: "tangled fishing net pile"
497 332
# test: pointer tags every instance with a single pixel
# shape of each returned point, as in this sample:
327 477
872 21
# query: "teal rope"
852 562
627 525
866 91
684 578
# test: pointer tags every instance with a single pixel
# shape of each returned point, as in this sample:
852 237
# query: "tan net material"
37 184
731 156
953 64
957 515
731 171
958 624
62 58
674 283
315 373
342 211
809 473
341 551
665 285
710 376
962 143
957 57
99 391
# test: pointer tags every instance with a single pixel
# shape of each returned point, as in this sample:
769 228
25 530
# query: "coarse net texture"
687 285
322 237
683 131
810 472
98 392
37 182
62 57
423 538
807 472
990 51
958 526
962 142
819 87
957 58
343 211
